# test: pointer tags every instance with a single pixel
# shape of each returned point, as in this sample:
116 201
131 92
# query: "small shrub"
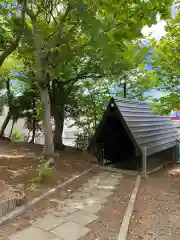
44 173
16 135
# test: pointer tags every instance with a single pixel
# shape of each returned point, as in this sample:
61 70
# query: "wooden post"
103 157
176 153
144 162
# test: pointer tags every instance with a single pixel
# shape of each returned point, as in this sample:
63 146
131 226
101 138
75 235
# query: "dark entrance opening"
118 148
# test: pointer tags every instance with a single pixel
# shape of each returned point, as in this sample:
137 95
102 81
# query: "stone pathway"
73 215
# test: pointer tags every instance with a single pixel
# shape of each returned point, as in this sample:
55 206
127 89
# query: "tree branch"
9 50
83 75
30 13
68 9
59 25
15 43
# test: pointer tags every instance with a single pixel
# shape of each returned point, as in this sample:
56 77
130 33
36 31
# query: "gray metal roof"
154 132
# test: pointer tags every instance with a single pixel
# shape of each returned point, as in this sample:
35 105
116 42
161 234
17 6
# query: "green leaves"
166 71
88 105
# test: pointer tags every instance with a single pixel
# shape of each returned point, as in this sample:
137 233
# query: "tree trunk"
12 128
33 131
48 134
33 122
4 125
42 79
58 113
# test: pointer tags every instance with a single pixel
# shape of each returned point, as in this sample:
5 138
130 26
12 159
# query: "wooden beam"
144 162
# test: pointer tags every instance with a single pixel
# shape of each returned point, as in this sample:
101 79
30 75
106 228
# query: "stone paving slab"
81 194
94 192
92 182
56 238
109 181
91 208
117 176
105 187
90 187
32 233
64 211
70 231
101 193
49 222
89 200
102 174
95 199
81 217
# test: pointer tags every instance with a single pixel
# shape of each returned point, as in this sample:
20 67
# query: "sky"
155 31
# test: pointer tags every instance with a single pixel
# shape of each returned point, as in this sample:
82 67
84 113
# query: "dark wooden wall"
159 158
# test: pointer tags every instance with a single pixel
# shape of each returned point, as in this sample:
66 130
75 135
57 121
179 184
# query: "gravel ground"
157 209
110 217
43 207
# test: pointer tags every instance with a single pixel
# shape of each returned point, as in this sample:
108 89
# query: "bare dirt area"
110 217
157 209
45 206
19 163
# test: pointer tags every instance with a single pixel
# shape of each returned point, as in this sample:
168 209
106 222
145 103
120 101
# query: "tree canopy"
67 46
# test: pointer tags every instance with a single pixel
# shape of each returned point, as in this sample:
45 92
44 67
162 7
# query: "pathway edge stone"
18 211
127 217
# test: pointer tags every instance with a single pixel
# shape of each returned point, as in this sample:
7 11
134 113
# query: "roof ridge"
119 99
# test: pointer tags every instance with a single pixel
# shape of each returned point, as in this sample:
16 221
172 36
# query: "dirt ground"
19 163
157 209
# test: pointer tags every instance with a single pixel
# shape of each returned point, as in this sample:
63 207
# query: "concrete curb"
158 168
18 211
127 217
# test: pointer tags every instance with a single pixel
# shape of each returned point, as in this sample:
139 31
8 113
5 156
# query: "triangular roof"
156 133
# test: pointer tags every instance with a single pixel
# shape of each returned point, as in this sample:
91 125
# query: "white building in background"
69 132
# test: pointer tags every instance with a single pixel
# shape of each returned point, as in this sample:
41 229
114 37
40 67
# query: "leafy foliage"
165 62
44 173
17 136
89 102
